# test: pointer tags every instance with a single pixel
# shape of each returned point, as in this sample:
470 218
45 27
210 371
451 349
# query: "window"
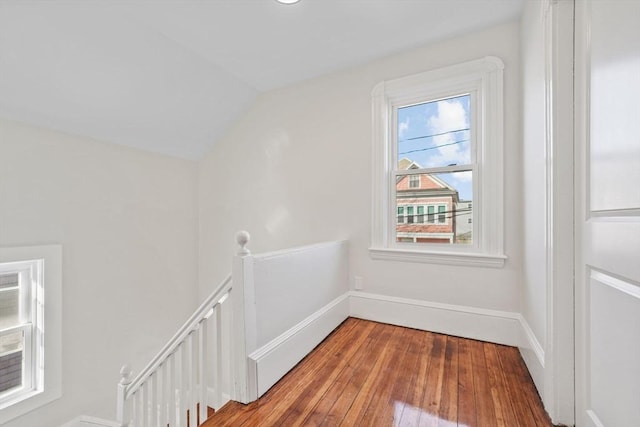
420 215
442 214
20 327
437 144
410 215
400 214
30 360
431 218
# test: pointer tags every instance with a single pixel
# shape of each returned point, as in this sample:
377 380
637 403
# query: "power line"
432 135
456 212
433 148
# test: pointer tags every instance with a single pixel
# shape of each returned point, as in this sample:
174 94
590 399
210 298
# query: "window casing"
481 80
34 376
21 328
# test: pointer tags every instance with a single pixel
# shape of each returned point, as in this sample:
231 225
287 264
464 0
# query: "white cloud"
451 116
403 127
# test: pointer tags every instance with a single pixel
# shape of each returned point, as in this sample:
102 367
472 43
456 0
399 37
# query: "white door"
607 213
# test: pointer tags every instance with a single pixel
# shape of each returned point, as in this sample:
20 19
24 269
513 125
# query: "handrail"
175 386
180 336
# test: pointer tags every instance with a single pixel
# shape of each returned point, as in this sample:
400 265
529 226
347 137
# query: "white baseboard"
272 361
500 327
86 421
532 353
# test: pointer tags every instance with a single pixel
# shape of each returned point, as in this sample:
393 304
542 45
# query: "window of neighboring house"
431 218
410 215
442 130
442 214
29 359
440 217
400 214
420 219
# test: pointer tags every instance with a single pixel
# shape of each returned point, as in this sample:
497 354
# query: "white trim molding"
446 258
496 326
502 327
483 79
272 361
50 383
532 353
558 391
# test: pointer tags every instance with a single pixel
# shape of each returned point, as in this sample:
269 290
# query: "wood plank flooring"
372 374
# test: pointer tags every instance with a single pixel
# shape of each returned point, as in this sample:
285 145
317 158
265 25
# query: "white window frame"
42 267
483 79
30 323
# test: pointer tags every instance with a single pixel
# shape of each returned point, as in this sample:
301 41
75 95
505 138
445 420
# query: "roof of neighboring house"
405 164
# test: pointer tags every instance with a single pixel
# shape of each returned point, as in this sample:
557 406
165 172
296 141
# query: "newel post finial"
242 238
125 375
122 409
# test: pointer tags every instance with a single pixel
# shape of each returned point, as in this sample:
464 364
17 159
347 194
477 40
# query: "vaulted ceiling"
170 76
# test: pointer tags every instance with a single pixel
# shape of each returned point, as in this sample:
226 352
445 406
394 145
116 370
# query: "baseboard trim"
532 353
501 327
272 361
87 421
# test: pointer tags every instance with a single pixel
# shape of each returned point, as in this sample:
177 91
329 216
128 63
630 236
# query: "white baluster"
202 364
173 398
184 376
217 349
134 408
153 399
193 389
144 412
163 393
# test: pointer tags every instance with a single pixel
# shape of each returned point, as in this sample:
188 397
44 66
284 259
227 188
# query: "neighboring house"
464 221
426 208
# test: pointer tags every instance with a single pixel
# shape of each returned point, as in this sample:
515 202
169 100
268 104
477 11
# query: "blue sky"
437 134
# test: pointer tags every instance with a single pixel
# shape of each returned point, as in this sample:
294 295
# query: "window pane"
400 214
420 219
447 199
442 214
434 134
10 280
9 307
11 346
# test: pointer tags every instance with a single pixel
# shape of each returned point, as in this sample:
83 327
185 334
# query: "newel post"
244 321
122 411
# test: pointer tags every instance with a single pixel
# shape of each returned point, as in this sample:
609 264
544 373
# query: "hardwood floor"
372 374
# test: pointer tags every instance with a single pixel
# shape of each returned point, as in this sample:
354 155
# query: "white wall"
126 221
296 169
534 219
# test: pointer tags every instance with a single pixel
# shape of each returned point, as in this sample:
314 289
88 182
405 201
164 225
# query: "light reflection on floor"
404 411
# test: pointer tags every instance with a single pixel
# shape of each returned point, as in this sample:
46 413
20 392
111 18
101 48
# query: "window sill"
434 257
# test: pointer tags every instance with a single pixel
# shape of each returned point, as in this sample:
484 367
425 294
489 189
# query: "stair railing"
174 388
